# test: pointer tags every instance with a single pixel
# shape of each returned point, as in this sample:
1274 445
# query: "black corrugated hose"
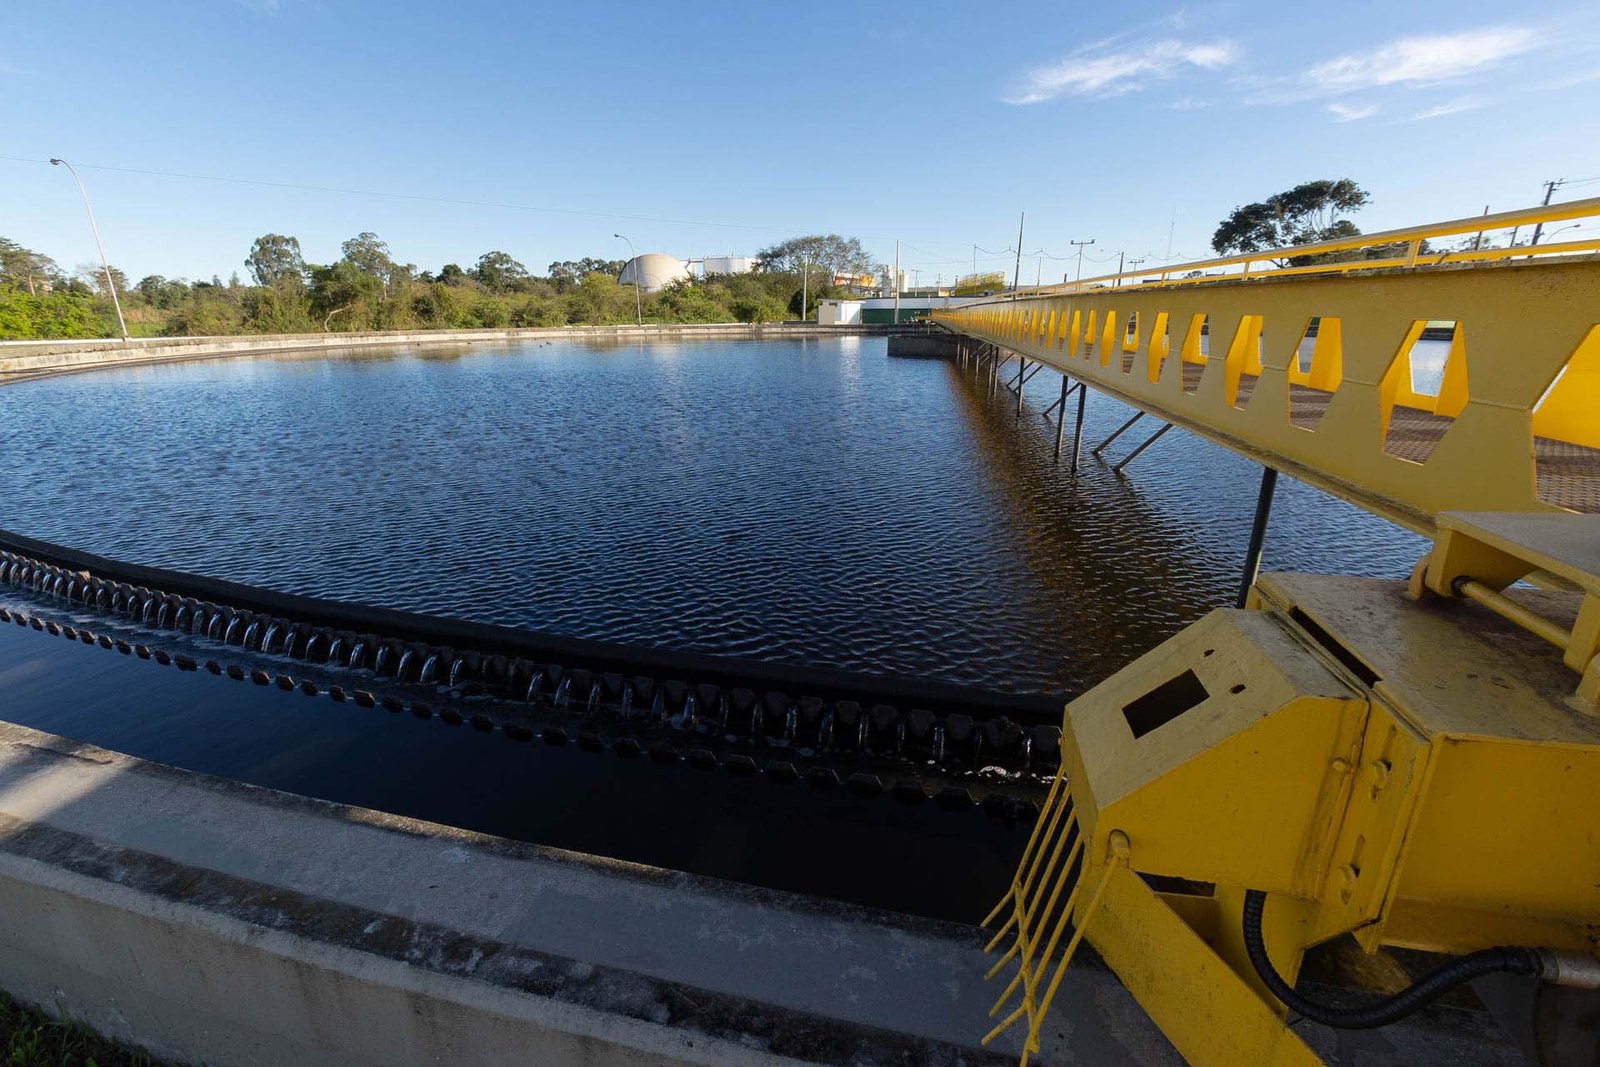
1389 1009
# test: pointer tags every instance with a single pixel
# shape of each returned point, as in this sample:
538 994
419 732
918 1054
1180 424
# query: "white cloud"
1423 60
1352 112
1581 78
1099 71
1449 107
1186 103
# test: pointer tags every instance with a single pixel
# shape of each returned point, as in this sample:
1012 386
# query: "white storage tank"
654 271
729 264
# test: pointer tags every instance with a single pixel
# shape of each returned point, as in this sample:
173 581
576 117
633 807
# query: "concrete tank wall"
211 921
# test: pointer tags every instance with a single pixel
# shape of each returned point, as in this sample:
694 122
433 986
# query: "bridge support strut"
1060 408
1077 433
1131 456
1101 447
1258 534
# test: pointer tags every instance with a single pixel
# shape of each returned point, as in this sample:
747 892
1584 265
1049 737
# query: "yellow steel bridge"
1221 348
1405 764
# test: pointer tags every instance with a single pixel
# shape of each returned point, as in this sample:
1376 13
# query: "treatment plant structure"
1406 767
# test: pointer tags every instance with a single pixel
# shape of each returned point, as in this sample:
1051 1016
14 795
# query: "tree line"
366 288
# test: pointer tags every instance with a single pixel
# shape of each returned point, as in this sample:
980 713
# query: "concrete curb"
21 362
235 925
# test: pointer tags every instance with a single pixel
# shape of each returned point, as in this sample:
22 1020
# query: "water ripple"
806 501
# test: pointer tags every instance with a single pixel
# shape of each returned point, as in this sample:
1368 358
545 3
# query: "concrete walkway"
216 921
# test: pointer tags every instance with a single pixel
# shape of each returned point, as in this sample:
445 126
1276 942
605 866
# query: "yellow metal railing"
1038 919
1310 369
1412 237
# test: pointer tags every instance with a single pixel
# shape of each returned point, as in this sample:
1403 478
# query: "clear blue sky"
722 127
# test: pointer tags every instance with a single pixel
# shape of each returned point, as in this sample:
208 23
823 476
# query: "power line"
381 194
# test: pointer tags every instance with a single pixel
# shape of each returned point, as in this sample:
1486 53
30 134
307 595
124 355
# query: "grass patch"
30 1038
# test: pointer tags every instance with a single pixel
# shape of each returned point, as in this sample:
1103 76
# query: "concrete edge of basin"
26 361
13 734
202 965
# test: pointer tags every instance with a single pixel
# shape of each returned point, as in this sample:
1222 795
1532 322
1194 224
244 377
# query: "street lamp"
116 303
1564 229
638 301
805 286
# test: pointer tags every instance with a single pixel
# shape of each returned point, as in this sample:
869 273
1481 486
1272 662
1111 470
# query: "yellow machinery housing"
1418 767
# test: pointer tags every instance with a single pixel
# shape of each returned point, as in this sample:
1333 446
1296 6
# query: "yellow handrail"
1409 235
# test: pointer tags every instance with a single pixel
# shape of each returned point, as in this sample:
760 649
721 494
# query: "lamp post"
638 301
111 285
805 286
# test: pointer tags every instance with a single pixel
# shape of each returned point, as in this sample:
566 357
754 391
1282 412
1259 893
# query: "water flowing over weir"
970 775
516 681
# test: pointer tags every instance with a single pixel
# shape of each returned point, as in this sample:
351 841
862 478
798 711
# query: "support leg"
1061 417
1022 377
1258 534
1077 433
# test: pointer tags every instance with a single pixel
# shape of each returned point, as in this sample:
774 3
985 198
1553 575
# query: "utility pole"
897 282
1477 242
1550 188
1038 272
1120 254
1132 263
1016 274
1081 246
110 283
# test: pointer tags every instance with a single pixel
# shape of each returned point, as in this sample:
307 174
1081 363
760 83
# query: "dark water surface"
809 501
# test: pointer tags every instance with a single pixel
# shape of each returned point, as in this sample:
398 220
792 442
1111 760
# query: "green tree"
27 316
370 255
23 268
346 292
1311 211
826 254
570 272
93 276
208 312
498 272
688 301
275 259
162 293
598 300
538 310
452 274
275 309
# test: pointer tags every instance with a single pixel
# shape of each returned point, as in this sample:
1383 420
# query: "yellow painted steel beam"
1222 361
